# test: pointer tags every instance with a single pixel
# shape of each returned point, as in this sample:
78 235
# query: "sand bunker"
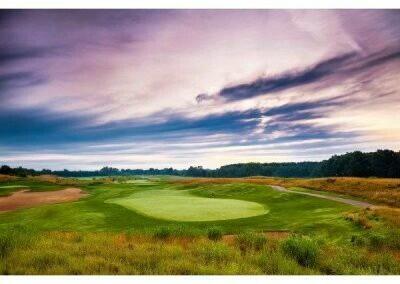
25 199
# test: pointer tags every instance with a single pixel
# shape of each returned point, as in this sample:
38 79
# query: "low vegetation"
296 235
120 253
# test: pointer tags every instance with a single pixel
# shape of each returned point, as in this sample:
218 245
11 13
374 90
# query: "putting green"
179 205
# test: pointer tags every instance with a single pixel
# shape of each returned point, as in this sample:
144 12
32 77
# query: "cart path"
334 198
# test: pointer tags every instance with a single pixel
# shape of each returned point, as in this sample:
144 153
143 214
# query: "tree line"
382 163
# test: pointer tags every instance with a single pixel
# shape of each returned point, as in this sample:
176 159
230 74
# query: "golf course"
171 225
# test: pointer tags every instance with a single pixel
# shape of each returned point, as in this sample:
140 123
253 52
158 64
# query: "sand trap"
25 199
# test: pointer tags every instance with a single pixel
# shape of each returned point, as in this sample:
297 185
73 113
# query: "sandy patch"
25 199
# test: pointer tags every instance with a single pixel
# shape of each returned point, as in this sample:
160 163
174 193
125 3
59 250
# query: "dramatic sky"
148 88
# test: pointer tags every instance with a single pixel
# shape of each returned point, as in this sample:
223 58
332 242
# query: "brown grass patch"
25 199
389 213
7 178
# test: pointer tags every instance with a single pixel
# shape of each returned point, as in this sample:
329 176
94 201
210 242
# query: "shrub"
214 234
304 250
251 241
162 233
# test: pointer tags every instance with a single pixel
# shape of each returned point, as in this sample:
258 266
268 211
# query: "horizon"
81 89
193 165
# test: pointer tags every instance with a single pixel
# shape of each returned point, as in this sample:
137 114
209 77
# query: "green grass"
301 214
159 226
179 205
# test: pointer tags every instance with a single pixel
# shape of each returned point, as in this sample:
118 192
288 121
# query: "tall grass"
112 253
15 237
214 233
251 241
302 249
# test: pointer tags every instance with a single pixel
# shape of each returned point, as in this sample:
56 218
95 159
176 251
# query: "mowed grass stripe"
178 205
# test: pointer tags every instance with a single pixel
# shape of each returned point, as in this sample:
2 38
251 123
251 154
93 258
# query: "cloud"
10 82
11 54
286 81
345 64
177 86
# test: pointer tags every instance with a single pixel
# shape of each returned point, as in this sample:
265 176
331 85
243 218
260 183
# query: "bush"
304 250
214 234
162 233
251 241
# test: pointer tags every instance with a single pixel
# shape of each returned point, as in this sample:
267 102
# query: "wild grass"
214 234
251 241
302 249
364 219
118 253
162 233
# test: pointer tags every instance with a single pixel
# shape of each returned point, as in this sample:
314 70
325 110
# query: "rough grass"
119 253
214 233
304 250
251 241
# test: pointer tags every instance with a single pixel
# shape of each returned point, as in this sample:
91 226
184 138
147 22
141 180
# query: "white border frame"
200 4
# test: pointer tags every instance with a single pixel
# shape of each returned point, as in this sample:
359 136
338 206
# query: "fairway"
13 186
178 205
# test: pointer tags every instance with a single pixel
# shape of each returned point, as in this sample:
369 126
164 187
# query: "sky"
82 89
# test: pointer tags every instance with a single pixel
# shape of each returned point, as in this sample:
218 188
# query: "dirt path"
25 199
334 198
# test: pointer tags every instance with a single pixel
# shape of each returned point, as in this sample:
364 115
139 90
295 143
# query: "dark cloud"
343 65
38 129
36 126
10 54
286 81
19 79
